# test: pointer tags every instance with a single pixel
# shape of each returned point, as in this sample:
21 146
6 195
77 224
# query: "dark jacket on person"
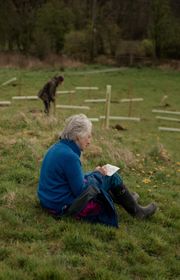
48 92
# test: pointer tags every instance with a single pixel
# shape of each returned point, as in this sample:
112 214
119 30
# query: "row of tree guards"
106 100
107 117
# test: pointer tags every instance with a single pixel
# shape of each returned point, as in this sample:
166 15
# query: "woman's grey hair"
76 125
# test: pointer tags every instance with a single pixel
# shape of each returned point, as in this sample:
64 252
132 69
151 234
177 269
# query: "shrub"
160 153
129 52
78 45
41 46
148 47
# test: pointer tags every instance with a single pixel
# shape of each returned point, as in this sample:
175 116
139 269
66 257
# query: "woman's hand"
101 169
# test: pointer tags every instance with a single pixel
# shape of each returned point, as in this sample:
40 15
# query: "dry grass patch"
123 154
93 152
160 153
29 62
9 200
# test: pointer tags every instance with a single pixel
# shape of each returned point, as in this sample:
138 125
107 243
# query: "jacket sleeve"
44 91
52 90
74 174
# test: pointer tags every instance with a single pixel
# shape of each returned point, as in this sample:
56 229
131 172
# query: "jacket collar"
72 145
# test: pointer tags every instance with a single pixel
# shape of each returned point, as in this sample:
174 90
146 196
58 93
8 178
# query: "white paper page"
111 169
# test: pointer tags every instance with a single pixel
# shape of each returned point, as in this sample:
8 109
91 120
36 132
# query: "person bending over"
65 189
48 93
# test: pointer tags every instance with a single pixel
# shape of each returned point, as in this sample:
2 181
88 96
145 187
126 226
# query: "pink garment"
91 208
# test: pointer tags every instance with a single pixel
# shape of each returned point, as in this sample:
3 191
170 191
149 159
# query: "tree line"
89 30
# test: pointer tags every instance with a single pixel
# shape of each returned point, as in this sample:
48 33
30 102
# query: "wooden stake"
168 119
86 88
121 118
94 119
72 107
65 91
95 100
25 97
9 81
169 129
163 99
166 112
131 99
108 102
5 103
130 102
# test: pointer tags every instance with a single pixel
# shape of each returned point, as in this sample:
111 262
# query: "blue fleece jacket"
61 177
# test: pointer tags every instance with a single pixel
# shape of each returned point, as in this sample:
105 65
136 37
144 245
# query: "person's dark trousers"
123 197
105 212
81 201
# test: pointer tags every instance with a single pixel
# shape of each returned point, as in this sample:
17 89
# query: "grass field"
34 245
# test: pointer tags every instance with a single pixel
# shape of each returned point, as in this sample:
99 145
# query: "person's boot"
127 201
135 196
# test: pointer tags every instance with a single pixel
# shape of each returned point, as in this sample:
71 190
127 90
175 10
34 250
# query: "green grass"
34 245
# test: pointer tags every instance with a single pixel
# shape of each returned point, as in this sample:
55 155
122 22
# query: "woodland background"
120 32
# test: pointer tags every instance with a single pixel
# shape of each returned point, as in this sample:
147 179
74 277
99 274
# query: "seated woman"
65 189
